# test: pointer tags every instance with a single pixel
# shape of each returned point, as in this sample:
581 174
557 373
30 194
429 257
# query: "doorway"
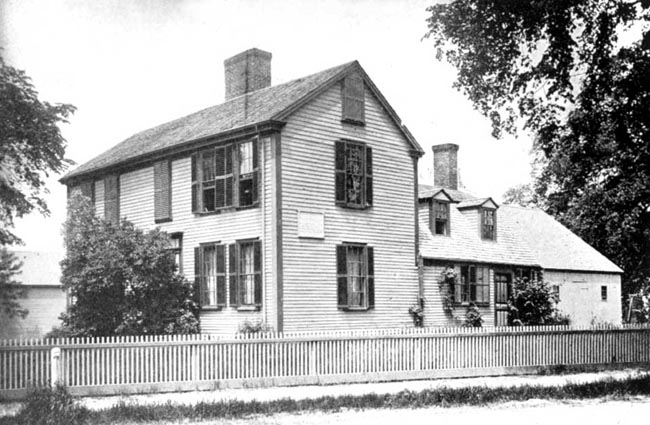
502 292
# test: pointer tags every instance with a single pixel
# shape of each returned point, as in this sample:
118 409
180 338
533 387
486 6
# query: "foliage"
473 317
123 281
522 195
31 147
533 303
254 327
447 284
417 313
575 75
10 292
52 406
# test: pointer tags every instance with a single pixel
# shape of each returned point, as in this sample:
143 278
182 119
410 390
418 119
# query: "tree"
574 74
522 195
123 281
31 147
532 303
10 290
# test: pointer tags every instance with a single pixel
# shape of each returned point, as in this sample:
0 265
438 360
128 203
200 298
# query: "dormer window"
440 218
353 100
488 224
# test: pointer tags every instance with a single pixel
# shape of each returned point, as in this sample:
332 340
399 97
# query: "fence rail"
184 362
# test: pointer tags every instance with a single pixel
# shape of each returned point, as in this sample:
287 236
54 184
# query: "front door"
502 291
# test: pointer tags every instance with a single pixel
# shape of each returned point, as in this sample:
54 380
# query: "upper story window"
353 100
225 176
353 179
440 219
488 224
473 285
355 277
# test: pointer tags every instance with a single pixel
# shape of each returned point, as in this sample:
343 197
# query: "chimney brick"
445 166
246 72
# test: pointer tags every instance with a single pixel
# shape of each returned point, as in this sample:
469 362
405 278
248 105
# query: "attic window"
440 218
353 100
488 224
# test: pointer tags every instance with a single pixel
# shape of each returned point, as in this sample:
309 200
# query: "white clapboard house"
299 205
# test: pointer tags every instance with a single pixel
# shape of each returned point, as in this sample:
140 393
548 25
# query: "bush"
533 303
255 327
52 406
473 317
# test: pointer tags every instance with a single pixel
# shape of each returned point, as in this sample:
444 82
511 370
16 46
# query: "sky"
131 65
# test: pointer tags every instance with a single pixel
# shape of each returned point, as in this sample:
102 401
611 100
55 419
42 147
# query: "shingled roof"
270 104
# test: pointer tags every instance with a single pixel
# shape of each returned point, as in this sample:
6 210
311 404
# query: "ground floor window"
355 276
473 285
210 274
245 274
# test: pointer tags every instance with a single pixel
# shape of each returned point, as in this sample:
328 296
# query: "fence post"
55 366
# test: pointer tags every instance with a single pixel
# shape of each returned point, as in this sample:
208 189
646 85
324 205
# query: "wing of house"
297 204
489 245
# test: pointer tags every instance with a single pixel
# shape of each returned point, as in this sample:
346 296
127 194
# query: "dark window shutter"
256 173
198 286
162 190
221 275
232 269
353 98
340 172
88 190
112 199
195 185
341 276
368 176
371 277
257 262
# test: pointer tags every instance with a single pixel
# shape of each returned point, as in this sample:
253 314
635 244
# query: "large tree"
575 75
122 280
10 290
31 148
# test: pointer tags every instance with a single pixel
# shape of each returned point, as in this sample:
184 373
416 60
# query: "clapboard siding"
136 197
308 184
580 296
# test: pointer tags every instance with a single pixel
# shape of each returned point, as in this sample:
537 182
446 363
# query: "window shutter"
221 275
195 184
162 190
233 257
88 190
371 277
341 275
340 171
198 282
353 99
229 180
368 176
112 199
257 262
256 172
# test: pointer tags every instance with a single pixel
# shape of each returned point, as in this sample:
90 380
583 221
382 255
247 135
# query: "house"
296 204
489 245
43 296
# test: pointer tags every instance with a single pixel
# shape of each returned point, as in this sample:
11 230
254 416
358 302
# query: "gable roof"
554 246
525 237
475 203
426 191
268 105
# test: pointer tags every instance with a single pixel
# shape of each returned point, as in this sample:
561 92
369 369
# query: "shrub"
52 406
255 327
473 317
533 303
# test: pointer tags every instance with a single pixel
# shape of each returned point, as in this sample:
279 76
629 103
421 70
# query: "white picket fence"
120 365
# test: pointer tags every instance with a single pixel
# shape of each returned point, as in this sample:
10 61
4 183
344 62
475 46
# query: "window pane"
208 166
247 273
246 191
246 157
208 199
356 269
354 174
209 275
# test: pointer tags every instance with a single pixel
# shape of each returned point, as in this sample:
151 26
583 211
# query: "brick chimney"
445 166
246 72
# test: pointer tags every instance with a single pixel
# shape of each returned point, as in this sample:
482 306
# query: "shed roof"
270 104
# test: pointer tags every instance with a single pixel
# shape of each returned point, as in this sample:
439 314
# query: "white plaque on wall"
311 225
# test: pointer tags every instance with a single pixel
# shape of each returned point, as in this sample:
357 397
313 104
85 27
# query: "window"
355 277
440 218
245 274
162 191
225 177
353 176
488 224
353 100
555 292
526 274
603 293
210 274
112 199
176 248
473 286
